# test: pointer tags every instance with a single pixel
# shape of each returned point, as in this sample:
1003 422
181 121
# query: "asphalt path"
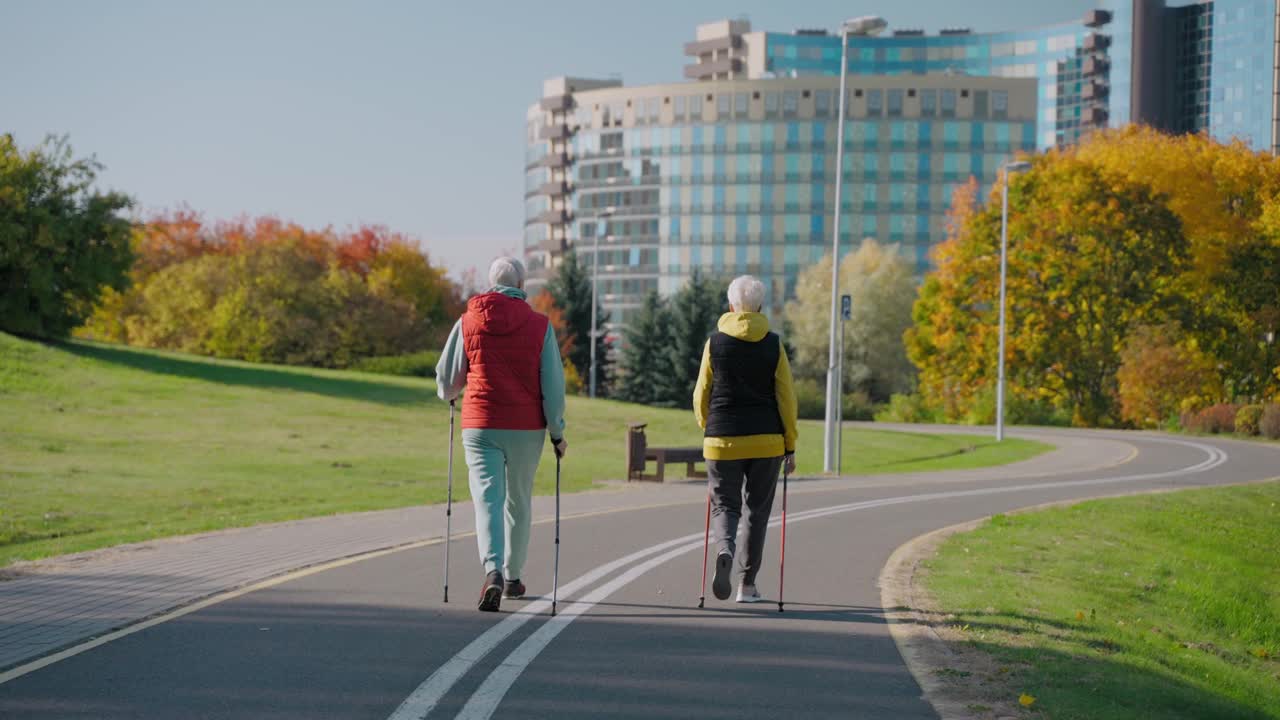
372 639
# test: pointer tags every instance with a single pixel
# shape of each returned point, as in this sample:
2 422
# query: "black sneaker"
720 585
515 590
491 592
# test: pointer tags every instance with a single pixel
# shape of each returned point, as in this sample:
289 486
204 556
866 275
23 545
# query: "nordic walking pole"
782 556
706 539
448 508
555 570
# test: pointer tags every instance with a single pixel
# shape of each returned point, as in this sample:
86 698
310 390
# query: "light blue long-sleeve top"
451 370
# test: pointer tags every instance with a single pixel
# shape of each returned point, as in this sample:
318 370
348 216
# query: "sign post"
846 313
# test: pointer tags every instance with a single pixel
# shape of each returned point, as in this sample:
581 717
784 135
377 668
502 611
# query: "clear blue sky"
408 114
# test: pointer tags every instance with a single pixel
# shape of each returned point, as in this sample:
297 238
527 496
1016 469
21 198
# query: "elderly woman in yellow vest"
745 402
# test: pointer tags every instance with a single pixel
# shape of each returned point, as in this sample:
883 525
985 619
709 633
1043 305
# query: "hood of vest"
748 326
498 314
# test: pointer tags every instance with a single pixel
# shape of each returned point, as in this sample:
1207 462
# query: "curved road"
371 639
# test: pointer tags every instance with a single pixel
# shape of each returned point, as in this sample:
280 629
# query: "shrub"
1161 374
572 380
1248 419
811 399
1220 418
419 364
858 406
1270 424
907 409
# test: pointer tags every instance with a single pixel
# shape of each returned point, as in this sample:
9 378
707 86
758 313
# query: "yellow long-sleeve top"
751 327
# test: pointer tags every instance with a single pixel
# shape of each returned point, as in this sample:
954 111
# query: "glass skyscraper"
734 171
738 176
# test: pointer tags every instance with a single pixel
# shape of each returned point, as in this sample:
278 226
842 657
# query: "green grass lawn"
101 445
1159 606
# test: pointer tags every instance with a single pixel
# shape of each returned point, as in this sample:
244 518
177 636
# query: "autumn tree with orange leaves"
1090 254
1132 255
271 291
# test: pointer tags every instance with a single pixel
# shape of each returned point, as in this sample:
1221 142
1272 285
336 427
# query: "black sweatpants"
727 480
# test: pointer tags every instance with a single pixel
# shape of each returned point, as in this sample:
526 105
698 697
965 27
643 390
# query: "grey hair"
746 293
507 271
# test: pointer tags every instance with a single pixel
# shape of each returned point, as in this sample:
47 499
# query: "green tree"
62 243
882 288
694 312
645 360
570 289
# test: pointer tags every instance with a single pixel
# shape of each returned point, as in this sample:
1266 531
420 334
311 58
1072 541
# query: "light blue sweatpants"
501 465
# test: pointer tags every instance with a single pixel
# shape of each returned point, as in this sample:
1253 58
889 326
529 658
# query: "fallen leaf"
1080 615
1026 700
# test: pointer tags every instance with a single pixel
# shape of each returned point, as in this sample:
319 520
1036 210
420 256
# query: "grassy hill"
102 444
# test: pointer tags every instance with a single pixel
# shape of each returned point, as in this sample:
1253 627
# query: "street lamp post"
868 25
602 224
831 439
1007 168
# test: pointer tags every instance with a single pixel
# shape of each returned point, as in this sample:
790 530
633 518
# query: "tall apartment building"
734 171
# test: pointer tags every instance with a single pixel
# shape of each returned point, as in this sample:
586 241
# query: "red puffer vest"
503 339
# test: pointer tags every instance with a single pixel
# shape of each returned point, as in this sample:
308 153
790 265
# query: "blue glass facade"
735 173
1050 54
740 177
1241 82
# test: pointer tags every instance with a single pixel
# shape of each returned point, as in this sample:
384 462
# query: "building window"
771 105
822 103
680 108
948 103
695 108
740 105
928 103
895 103
722 107
874 102
790 103
1000 103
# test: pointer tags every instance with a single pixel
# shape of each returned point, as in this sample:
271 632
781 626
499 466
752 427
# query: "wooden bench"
639 453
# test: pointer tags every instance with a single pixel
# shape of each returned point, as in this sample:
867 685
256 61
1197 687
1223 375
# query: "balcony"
556 161
1094 117
554 188
1095 42
724 42
1094 65
706 70
556 103
1097 18
554 132
551 217
1094 91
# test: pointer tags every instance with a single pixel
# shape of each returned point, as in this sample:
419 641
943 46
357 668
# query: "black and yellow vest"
743 394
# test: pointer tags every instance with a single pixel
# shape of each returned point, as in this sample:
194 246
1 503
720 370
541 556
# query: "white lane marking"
429 693
484 702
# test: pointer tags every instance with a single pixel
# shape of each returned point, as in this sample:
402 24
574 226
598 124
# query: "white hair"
507 271
746 294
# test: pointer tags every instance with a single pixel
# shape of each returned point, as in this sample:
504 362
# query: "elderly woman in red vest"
506 356
746 404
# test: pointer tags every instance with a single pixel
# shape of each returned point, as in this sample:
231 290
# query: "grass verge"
1157 606
102 445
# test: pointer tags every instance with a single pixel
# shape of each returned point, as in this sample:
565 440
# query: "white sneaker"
749 594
